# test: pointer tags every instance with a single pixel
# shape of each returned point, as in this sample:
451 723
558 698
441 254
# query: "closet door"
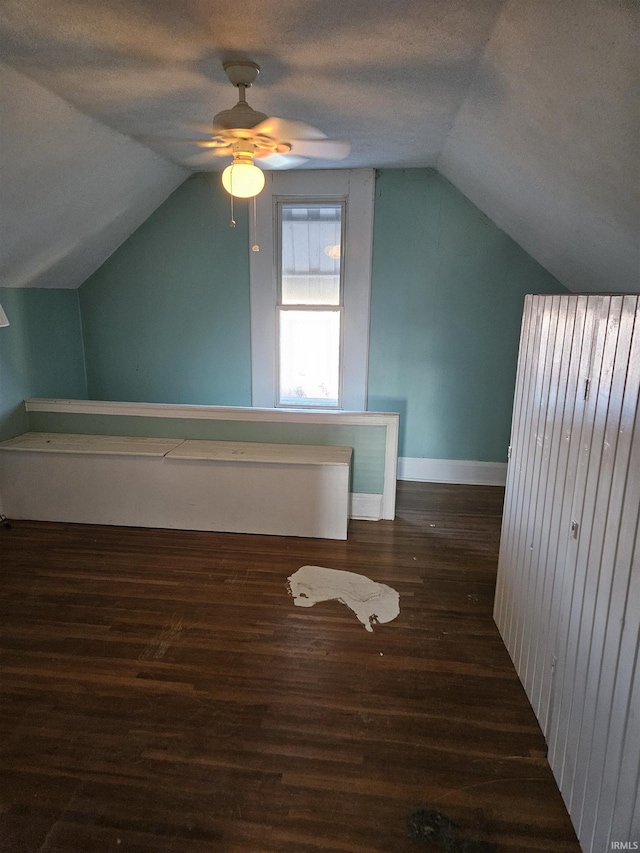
554 355
556 520
509 598
586 442
568 592
601 756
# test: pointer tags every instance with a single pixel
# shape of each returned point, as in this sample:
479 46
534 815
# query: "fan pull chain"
232 224
255 247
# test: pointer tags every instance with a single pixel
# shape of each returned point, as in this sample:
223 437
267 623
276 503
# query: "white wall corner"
461 471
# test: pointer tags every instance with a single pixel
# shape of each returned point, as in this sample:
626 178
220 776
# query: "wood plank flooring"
160 692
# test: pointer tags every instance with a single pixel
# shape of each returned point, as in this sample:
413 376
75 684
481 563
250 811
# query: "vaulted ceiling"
530 109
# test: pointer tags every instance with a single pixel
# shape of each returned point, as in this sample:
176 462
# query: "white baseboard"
461 471
366 507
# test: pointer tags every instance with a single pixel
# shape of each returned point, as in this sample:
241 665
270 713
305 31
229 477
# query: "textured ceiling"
526 107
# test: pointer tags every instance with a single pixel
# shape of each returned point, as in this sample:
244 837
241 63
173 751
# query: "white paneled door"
568 592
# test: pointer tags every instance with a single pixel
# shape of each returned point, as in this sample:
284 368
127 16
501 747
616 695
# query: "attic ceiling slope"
526 107
553 159
72 190
389 77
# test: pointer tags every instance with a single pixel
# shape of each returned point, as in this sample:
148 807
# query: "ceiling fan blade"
322 149
202 127
214 147
281 161
287 129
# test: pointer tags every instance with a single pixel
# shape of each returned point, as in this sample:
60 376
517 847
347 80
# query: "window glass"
310 250
309 358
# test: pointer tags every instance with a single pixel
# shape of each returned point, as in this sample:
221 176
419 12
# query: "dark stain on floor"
426 826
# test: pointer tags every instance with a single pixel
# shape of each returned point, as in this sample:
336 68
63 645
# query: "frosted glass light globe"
243 180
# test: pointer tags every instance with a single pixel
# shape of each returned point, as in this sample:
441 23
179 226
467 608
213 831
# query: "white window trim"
357 187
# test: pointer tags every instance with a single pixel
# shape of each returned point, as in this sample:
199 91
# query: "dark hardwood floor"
160 692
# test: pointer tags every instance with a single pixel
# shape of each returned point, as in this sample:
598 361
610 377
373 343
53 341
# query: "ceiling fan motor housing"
241 73
240 117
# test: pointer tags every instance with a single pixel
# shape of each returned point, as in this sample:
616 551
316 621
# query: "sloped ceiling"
71 189
526 107
547 140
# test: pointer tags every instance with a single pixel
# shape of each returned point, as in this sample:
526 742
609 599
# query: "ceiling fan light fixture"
250 135
243 179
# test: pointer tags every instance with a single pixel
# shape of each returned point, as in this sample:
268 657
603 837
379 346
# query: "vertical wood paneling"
528 438
573 505
547 452
620 752
623 823
620 777
516 472
543 667
570 693
503 579
538 451
568 604
525 454
561 532
600 574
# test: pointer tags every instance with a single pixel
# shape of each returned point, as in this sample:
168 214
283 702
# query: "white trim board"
222 413
461 471
390 420
366 507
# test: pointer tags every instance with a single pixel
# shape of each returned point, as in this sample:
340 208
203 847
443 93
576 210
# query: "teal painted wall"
448 290
166 318
40 352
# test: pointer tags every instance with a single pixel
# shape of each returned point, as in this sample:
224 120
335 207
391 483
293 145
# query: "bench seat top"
249 451
177 448
59 442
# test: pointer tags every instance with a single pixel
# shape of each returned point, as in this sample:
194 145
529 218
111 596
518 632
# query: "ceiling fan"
246 134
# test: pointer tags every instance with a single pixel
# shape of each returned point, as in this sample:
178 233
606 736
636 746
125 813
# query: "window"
310 286
309 310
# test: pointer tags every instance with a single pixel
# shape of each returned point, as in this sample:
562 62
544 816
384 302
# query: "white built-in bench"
226 486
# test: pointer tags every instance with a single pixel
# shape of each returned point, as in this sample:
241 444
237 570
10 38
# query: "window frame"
354 188
279 202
